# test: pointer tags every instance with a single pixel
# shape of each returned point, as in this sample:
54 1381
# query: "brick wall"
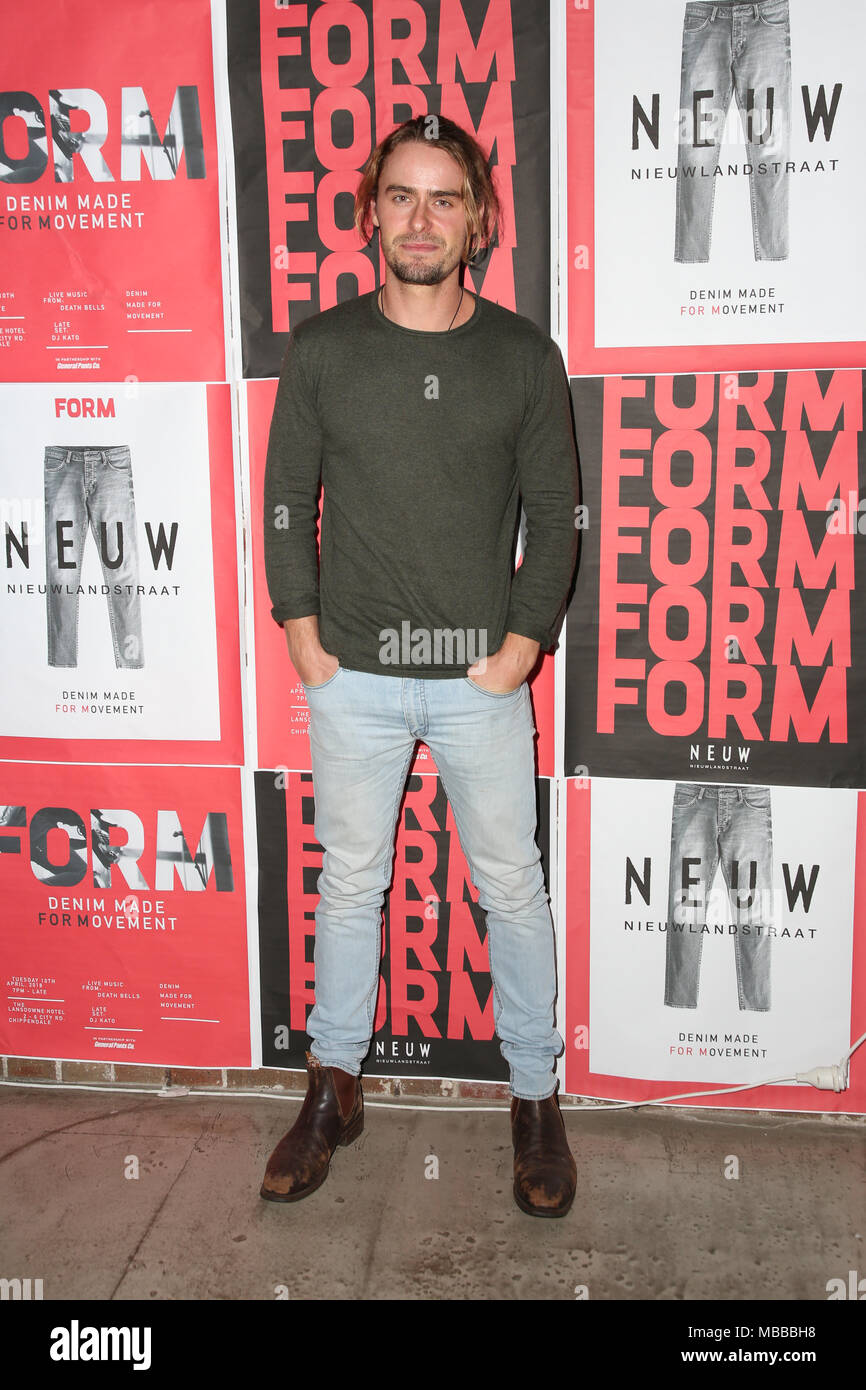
266 1079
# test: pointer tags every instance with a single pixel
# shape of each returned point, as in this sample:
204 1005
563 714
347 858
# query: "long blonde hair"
483 212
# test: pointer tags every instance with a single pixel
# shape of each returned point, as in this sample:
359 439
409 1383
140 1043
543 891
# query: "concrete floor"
655 1217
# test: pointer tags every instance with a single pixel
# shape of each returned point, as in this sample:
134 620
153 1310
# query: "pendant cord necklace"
451 324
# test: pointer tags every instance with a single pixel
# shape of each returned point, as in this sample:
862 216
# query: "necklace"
453 317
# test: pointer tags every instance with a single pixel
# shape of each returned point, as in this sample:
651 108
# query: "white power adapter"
833 1078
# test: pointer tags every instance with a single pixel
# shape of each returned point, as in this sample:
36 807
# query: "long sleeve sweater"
425 445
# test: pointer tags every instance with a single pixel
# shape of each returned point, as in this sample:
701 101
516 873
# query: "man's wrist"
302 632
520 645
521 653
514 659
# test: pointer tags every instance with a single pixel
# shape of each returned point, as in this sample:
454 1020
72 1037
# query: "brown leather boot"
545 1176
332 1114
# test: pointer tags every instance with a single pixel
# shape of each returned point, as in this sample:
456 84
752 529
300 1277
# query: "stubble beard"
419 271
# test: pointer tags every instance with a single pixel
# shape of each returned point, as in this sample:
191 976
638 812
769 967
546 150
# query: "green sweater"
425 445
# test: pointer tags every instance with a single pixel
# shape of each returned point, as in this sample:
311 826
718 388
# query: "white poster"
729 173
108 611
721 929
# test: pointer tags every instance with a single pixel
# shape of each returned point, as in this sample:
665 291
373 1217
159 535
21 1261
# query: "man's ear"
373 212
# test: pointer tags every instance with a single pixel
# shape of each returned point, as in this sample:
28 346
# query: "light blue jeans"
363 730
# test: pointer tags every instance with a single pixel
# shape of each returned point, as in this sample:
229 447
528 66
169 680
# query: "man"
427 413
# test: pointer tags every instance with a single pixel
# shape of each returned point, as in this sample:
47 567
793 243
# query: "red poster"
434 1009
110 227
124 929
313 88
763 981
715 630
282 716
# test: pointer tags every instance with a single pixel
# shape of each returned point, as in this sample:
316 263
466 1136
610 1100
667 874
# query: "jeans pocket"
494 694
757 797
777 20
54 465
695 23
121 465
330 681
686 795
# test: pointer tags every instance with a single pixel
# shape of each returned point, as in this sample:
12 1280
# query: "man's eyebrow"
436 192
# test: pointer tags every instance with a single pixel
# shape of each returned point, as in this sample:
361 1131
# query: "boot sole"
348 1137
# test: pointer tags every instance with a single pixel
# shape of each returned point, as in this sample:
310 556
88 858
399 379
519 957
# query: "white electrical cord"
833 1078
823 1078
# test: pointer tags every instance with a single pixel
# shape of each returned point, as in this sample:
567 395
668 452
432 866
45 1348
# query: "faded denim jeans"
363 729
91 488
731 827
734 47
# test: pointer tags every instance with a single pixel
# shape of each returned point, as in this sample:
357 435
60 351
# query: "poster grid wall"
168 216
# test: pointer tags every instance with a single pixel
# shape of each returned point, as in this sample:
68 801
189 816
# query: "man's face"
420 214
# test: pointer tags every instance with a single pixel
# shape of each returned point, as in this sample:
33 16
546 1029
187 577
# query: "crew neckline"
426 332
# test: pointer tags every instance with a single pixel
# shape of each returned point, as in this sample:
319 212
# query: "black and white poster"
721 919
120 589
716 168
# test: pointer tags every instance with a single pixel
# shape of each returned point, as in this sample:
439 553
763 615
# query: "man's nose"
421 214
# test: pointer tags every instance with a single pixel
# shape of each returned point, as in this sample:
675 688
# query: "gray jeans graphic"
731 827
91 488
733 47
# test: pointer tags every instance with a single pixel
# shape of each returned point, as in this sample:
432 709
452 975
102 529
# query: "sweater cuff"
282 612
525 627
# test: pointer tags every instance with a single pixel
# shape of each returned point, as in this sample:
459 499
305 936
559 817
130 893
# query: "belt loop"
701 793
714 13
755 11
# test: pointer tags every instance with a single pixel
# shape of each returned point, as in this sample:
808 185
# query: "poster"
715 938
111 259
715 176
282 717
716 631
120 574
314 88
124 928
434 1010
